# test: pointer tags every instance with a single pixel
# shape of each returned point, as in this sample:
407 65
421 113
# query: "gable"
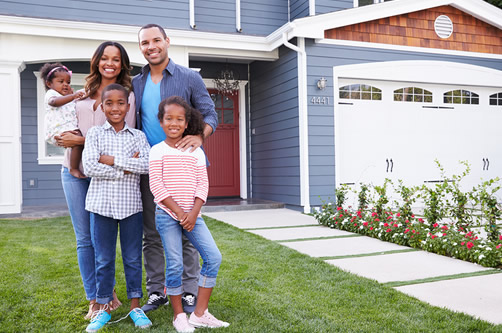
417 29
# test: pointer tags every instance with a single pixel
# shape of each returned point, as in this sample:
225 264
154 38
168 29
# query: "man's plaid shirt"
113 193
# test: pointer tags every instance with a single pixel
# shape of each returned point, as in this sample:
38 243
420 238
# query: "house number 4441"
319 100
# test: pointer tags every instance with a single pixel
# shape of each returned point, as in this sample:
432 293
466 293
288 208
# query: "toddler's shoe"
181 324
139 318
98 321
188 301
206 320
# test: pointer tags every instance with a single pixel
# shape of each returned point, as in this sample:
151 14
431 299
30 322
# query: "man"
160 79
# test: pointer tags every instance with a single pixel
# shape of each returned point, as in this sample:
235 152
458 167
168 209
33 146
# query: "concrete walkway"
438 280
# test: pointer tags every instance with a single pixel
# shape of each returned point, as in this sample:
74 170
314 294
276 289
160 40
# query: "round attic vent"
443 26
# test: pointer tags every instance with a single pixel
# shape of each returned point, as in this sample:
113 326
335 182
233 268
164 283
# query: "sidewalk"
438 280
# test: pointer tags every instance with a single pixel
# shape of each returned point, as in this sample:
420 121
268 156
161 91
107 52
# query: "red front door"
222 148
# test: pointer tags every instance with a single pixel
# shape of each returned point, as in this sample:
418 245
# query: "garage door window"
360 91
461 97
496 99
413 94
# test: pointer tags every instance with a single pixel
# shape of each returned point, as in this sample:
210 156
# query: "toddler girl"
60 115
178 180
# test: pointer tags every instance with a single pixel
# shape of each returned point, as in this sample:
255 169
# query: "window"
361 91
413 94
461 97
360 3
47 153
496 99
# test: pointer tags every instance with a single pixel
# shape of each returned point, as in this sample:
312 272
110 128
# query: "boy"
114 157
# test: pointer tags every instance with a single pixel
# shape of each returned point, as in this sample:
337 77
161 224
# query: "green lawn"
262 287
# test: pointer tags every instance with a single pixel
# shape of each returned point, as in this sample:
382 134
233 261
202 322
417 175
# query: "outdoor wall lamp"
321 83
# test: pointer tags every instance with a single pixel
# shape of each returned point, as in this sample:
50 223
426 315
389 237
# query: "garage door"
396 129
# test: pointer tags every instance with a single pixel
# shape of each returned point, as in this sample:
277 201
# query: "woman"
109 64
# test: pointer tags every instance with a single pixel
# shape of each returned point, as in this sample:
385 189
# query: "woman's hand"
69 139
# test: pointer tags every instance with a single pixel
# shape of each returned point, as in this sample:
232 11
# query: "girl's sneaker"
181 324
98 321
206 320
139 318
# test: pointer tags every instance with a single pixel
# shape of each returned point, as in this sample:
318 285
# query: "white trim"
238 16
76 79
242 134
191 10
303 121
311 7
408 48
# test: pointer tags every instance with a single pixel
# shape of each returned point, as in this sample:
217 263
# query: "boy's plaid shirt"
112 192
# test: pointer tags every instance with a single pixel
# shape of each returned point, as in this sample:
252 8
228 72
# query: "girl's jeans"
170 232
104 236
75 190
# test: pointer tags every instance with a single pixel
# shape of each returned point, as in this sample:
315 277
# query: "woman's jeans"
75 190
104 236
170 232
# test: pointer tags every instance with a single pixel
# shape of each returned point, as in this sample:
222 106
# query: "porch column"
10 137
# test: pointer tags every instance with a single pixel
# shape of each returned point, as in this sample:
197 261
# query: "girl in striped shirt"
178 181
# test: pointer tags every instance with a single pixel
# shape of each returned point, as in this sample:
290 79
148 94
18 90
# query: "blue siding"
275 157
171 14
258 17
216 16
328 6
262 17
320 61
298 9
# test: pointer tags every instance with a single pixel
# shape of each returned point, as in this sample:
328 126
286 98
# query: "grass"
262 287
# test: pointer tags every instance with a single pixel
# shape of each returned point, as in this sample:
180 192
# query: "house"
329 92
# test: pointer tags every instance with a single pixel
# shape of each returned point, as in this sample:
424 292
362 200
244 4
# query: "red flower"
338 208
398 214
365 224
420 220
371 228
444 227
341 215
374 214
444 233
500 237
377 220
355 224
498 246
462 243
406 221
385 224
395 225
388 230
389 217
433 236
406 231
470 245
412 216
435 225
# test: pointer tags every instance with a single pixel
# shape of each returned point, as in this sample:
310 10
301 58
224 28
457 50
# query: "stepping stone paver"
297 233
405 266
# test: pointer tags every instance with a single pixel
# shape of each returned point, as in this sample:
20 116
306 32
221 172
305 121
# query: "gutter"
302 119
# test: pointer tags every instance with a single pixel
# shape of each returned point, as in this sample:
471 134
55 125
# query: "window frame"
356 2
77 79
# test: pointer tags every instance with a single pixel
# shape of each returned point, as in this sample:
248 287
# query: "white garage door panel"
371 133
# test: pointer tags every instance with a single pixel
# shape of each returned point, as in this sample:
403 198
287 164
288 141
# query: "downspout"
191 10
238 16
302 119
311 7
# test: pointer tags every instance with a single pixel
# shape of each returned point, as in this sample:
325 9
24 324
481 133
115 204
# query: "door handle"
387 161
487 163
484 163
391 165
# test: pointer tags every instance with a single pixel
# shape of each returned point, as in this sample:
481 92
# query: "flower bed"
444 238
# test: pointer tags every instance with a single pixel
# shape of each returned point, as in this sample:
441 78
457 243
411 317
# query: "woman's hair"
115 86
49 69
193 117
93 80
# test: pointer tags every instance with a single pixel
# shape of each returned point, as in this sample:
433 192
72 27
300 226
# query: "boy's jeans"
104 237
170 231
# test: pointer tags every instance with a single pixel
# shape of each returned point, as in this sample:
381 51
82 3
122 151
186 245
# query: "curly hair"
193 117
93 80
47 75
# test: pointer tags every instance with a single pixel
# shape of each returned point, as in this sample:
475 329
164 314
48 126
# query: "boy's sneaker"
188 301
181 324
98 321
206 320
139 317
154 301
